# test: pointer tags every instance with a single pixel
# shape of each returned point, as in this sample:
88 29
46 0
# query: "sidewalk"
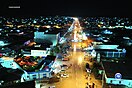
91 78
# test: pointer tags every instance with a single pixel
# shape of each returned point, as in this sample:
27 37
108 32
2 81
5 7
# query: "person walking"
93 85
86 77
89 81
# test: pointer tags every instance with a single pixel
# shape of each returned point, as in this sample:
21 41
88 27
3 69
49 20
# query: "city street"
77 73
61 51
78 77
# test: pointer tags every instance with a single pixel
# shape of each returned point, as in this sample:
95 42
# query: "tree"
54 50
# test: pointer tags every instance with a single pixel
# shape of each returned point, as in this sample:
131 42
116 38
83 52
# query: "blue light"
118 76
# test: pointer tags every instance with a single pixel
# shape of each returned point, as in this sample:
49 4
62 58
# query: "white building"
40 37
9 63
28 76
117 73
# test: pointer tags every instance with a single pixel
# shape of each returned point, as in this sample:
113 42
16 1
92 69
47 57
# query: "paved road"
77 78
77 73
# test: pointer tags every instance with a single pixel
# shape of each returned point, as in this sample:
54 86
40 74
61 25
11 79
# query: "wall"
35 75
119 81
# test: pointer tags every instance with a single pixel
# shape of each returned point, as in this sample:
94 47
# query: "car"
54 79
86 57
63 70
65 75
58 77
52 87
87 65
64 65
65 59
88 68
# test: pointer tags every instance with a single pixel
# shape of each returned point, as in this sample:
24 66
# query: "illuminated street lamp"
84 36
75 32
76 19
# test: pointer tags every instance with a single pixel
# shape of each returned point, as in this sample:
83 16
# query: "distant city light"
76 19
80 60
75 32
84 36
74 47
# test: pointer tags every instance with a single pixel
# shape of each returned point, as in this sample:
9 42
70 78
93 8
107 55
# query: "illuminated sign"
38 53
118 76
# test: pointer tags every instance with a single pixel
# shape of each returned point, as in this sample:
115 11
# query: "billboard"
38 53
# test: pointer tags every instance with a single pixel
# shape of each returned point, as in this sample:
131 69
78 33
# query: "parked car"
64 67
65 59
88 68
65 75
52 87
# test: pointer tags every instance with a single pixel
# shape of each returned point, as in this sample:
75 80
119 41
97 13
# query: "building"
117 73
110 52
27 84
9 63
37 49
44 71
28 76
40 37
107 53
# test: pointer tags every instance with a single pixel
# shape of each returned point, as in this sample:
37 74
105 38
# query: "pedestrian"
89 79
89 74
93 85
90 86
71 64
90 83
87 83
86 77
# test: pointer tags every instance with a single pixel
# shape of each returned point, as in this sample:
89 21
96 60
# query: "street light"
76 19
74 47
75 32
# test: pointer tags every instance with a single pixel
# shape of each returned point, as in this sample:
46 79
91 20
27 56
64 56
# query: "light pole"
103 74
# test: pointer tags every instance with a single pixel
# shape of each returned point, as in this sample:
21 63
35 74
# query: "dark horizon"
67 8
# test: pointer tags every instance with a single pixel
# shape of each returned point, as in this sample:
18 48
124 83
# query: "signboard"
118 76
38 53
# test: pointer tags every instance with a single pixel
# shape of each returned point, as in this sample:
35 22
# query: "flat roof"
52 32
106 46
123 67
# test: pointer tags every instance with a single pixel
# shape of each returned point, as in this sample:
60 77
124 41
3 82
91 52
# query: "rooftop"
123 67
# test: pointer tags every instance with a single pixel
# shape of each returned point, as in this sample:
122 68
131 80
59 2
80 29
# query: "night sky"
67 7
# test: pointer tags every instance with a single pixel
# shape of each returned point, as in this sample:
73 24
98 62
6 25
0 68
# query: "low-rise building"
117 73
44 70
41 37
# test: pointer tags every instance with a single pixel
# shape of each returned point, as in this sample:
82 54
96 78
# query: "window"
34 76
44 75
27 76
110 81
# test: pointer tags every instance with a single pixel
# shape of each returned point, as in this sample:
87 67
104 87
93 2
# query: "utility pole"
103 79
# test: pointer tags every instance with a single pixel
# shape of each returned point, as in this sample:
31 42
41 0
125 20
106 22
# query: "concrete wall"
106 46
126 82
35 75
